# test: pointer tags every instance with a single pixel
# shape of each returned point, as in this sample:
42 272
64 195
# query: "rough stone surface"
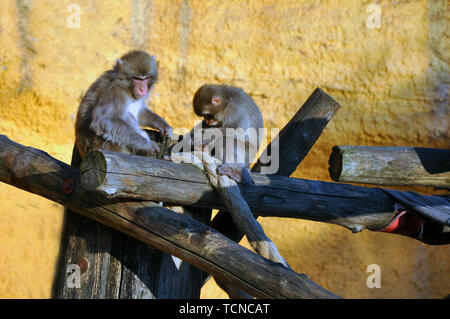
392 82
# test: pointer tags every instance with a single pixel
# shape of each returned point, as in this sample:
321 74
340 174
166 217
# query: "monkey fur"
222 107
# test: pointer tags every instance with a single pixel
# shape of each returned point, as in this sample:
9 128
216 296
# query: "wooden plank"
299 135
391 165
37 172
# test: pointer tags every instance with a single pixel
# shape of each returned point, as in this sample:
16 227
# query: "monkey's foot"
236 172
268 250
152 148
231 171
166 131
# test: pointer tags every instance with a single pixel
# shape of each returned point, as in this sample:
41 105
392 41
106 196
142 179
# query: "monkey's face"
209 103
140 71
212 112
141 85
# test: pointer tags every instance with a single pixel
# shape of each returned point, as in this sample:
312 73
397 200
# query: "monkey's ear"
154 63
118 64
216 100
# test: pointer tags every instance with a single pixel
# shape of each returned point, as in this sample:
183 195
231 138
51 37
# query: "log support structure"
122 239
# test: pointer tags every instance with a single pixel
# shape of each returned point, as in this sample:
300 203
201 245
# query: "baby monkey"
226 107
113 109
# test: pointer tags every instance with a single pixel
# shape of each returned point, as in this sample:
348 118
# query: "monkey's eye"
142 78
216 100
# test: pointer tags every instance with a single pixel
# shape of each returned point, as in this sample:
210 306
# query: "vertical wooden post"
113 265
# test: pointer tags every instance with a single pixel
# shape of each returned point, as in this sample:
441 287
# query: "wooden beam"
391 165
132 177
37 172
299 135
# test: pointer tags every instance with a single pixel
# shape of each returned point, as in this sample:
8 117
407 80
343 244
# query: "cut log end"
335 164
93 170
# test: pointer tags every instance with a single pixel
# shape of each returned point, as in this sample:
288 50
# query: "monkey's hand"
237 172
166 130
145 147
151 148
200 145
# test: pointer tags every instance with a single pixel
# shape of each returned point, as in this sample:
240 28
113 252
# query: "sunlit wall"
385 62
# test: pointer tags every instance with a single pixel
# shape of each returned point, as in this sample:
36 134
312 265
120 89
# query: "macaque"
113 109
223 109
226 107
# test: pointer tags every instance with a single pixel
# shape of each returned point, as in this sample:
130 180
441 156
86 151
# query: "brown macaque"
223 108
113 110
226 107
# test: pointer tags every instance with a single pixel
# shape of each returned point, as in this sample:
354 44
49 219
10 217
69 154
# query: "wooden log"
37 172
116 175
301 132
86 243
391 165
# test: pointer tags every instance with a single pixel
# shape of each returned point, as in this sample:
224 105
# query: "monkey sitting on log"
223 108
113 109
232 124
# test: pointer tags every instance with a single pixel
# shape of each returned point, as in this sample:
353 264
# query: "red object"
394 223
405 223
68 186
83 264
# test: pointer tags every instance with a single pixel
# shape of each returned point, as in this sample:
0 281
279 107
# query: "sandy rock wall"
392 82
